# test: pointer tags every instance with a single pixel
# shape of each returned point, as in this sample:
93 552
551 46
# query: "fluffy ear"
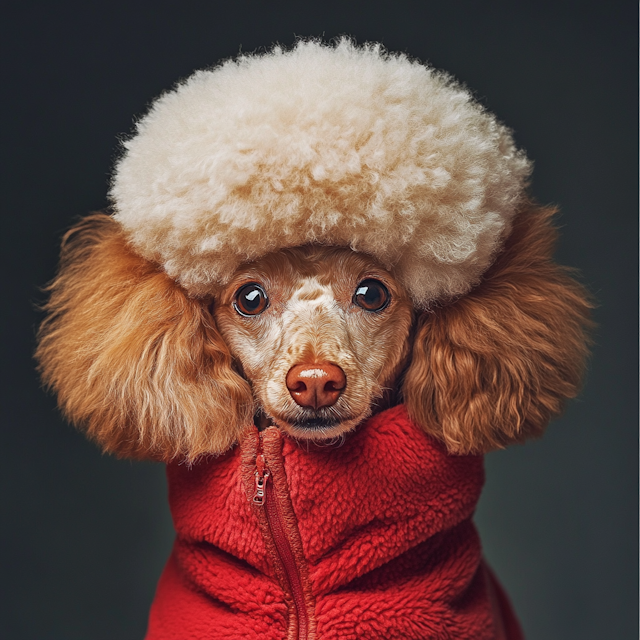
494 366
134 360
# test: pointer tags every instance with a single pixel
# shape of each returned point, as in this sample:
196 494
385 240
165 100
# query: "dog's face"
320 334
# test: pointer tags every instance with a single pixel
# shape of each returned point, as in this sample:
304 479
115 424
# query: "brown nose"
316 385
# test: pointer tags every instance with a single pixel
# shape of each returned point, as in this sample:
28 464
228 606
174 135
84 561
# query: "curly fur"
494 367
133 359
338 145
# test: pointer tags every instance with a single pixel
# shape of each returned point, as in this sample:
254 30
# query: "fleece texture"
380 529
340 145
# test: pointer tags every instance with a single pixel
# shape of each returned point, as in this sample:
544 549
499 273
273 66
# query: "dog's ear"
494 366
135 361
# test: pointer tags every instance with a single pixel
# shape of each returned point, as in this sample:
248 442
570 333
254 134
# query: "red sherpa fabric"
380 529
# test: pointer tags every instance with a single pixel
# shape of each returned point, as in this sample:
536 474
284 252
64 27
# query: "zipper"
265 498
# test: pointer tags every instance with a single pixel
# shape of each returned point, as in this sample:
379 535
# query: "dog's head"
303 237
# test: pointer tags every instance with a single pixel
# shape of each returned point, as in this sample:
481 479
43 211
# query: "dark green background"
84 536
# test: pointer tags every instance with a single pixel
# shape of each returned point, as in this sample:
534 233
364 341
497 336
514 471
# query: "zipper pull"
262 475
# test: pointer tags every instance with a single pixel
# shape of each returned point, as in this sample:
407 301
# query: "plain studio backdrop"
85 536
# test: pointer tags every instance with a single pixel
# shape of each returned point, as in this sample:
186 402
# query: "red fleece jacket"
372 539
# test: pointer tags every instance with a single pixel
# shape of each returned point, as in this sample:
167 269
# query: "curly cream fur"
339 145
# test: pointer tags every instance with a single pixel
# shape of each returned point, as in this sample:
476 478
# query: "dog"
427 315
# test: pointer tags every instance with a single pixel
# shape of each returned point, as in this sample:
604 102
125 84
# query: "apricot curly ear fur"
495 366
134 360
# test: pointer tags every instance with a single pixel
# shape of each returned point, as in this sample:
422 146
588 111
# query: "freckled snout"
316 385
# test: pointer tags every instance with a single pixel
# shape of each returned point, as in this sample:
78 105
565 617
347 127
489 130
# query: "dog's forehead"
301 266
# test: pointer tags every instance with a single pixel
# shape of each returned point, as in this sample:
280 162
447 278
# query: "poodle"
321 263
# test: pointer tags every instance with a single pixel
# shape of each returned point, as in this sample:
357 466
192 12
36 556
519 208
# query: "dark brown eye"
371 295
250 300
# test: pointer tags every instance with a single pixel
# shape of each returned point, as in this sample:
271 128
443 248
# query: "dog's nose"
316 385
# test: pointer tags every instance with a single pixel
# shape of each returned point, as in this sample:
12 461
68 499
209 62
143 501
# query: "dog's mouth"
319 428
303 423
315 423
311 425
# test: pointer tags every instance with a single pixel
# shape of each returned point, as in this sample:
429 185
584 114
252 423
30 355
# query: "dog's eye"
371 295
250 300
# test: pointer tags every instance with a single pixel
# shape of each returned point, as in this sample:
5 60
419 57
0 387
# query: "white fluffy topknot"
339 145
